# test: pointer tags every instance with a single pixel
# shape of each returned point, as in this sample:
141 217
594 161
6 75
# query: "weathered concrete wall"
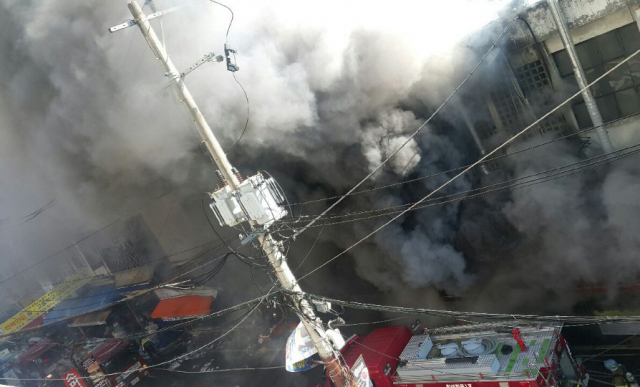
586 19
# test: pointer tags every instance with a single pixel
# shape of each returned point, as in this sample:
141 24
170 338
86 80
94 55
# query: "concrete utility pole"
589 101
340 375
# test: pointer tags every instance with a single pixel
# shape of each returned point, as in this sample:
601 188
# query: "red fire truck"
483 355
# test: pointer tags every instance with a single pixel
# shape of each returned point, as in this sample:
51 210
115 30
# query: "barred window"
618 94
532 76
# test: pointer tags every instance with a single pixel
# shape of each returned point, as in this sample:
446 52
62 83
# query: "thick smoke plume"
88 121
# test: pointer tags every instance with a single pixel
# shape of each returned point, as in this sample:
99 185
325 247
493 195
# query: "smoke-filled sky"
90 131
89 125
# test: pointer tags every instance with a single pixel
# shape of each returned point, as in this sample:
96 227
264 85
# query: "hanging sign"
45 303
299 350
302 365
72 379
360 373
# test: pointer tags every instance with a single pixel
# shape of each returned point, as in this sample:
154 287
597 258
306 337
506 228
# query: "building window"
617 95
553 123
506 109
486 128
532 76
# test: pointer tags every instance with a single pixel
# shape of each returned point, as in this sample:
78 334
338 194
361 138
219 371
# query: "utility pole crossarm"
204 130
131 23
255 200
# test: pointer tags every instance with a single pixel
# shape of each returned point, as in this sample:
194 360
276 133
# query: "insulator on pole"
221 177
238 175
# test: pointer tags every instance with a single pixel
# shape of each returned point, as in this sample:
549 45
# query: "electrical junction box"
256 199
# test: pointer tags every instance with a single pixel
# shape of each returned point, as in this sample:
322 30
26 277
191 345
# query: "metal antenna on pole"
255 200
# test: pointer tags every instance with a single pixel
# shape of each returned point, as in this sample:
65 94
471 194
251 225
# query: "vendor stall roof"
91 319
137 276
182 307
34 351
89 300
45 303
35 323
164 293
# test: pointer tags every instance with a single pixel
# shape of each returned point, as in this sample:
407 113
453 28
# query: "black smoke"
87 118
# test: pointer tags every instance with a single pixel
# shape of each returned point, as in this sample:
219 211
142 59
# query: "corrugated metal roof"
182 307
35 351
137 276
90 319
87 301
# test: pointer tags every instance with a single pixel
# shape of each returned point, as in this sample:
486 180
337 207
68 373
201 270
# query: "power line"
507 142
246 97
246 123
103 306
410 137
486 190
214 340
26 218
119 272
164 362
492 159
601 381
479 315
372 322
310 250
220 313
612 347
482 194
240 256
86 237
203 255
224 370
230 21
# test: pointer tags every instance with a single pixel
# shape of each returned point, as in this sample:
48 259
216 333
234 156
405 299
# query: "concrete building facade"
535 74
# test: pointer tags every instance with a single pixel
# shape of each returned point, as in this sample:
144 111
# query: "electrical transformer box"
256 199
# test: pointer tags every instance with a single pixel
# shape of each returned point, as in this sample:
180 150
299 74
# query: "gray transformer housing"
256 200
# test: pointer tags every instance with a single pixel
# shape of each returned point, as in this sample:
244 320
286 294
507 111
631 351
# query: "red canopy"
35 351
182 307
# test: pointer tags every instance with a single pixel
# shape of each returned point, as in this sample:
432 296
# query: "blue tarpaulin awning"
86 301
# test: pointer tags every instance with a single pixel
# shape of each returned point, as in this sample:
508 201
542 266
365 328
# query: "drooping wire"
175 327
99 306
243 258
220 337
477 315
160 283
451 180
103 306
104 227
412 135
230 21
224 370
246 122
310 250
246 96
522 181
611 348
492 159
